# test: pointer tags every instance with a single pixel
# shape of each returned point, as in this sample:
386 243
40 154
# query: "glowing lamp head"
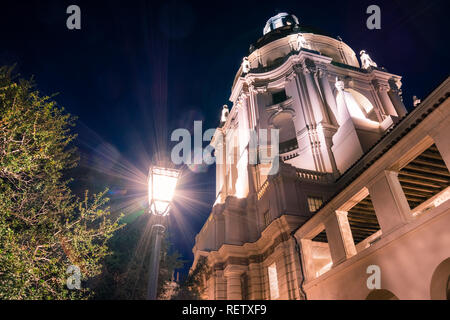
162 183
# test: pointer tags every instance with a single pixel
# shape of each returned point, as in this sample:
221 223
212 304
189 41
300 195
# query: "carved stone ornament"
301 42
366 61
245 65
225 113
340 84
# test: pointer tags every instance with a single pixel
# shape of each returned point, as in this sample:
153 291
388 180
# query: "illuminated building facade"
361 182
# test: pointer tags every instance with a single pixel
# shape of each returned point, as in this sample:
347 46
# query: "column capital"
381 86
322 70
308 66
234 270
242 97
395 85
299 68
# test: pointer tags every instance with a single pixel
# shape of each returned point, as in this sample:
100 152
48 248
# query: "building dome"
280 20
283 37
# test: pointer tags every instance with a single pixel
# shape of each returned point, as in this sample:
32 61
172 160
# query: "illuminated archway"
355 104
284 122
440 281
362 101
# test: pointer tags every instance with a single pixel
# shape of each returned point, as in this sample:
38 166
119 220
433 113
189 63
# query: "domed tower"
328 111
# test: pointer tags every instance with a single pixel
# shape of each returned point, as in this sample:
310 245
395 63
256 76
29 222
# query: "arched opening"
362 101
440 281
357 105
381 294
288 139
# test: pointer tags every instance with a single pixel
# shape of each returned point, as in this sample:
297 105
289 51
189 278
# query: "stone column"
252 105
255 281
220 286
318 115
340 238
303 121
327 129
391 207
341 106
317 103
221 167
307 259
233 274
395 95
327 92
382 90
326 133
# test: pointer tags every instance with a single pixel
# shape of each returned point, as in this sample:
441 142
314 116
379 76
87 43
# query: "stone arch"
284 122
381 294
352 103
362 100
440 281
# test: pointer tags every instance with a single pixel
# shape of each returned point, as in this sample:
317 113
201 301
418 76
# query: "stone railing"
314 175
288 146
301 174
289 155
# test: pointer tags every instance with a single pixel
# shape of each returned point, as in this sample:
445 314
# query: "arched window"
288 140
440 281
357 104
362 101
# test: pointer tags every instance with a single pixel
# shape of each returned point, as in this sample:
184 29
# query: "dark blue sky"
138 69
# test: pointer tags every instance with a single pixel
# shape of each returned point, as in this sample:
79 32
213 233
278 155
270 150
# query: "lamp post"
162 183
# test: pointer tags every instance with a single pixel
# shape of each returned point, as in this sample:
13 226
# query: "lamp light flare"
162 183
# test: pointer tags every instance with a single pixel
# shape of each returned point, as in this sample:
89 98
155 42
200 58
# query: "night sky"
139 69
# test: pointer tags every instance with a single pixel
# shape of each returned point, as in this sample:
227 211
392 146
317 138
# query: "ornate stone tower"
329 111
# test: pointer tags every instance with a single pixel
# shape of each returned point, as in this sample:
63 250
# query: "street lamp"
162 183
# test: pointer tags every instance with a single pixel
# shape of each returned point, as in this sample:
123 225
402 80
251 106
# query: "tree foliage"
44 227
126 272
195 283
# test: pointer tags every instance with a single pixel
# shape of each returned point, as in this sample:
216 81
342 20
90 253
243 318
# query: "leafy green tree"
44 227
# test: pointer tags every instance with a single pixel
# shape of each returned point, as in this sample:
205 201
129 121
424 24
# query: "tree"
44 227
126 272
194 284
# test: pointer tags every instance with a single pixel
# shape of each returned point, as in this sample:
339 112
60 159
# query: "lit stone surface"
341 143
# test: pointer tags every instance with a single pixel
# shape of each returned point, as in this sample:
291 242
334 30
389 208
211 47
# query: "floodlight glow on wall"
162 183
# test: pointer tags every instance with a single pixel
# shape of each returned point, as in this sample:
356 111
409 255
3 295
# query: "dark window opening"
321 237
314 203
279 97
424 177
363 220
